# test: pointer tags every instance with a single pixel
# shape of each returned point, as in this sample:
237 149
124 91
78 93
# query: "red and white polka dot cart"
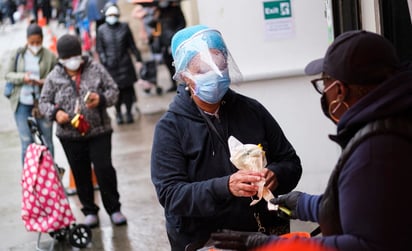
45 207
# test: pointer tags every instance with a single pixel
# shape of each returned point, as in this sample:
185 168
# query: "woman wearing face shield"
76 95
196 183
27 69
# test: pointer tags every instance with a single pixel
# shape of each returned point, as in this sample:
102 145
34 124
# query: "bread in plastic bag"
250 157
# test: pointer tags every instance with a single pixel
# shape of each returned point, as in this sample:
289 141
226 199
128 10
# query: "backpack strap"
397 126
329 206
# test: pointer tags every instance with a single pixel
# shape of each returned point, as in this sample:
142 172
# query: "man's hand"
290 201
241 241
241 183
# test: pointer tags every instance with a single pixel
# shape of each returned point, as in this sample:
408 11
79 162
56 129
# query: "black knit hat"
357 57
68 46
34 29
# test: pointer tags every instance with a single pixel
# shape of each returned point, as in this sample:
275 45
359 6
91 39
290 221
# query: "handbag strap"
213 127
16 59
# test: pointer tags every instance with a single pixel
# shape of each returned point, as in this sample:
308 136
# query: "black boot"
119 118
129 118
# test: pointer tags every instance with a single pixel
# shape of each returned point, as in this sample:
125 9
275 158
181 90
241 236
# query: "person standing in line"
196 183
76 95
114 43
27 69
366 91
45 7
170 16
8 7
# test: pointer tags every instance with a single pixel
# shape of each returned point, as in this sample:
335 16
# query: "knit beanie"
34 29
112 10
68 46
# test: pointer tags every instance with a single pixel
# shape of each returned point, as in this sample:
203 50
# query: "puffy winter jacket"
59 93
114 43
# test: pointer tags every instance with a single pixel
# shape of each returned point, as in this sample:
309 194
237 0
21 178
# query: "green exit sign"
277 9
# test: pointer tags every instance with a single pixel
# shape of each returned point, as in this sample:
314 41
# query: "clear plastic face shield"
205 52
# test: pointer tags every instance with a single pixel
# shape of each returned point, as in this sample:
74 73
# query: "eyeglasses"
319 84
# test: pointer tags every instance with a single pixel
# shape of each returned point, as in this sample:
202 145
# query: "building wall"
273 69
259 52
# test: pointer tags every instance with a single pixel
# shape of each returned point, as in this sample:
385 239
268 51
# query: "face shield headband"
200 44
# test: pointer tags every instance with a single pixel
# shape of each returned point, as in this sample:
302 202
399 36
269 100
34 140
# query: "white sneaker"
118 218
91 220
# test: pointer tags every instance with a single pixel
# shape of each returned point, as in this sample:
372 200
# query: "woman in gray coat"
76 95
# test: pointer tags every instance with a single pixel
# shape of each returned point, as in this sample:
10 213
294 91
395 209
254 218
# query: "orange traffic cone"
71 190
53 45
71 30
41 20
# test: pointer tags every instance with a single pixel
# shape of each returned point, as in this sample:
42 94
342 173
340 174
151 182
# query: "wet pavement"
131 158
131 153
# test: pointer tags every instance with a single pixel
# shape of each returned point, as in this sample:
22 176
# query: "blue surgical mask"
111 20
210 87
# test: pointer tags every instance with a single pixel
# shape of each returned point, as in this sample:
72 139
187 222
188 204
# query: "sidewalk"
131 153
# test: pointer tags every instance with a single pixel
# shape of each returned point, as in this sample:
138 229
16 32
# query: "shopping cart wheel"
60 234
80 236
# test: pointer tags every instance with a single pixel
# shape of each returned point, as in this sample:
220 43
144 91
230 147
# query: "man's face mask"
72 63
324 103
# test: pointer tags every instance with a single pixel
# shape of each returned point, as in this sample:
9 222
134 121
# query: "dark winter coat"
114 43
171 19
190 166
59 93
372 188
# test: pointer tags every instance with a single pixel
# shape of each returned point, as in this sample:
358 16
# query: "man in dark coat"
170 18
366 92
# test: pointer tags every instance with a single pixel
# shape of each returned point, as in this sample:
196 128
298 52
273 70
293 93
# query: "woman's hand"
271 180
27 79
93 100
243 183
38 82
62 117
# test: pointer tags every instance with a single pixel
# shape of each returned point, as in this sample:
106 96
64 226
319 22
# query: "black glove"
241 241
290 201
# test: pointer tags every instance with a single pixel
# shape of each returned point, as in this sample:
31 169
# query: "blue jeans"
26 137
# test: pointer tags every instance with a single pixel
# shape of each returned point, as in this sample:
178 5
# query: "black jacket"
372 186
113 44
190 166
